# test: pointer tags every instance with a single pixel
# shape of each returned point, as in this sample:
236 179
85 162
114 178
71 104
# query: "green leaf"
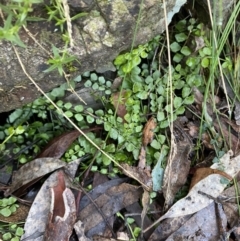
160 116
59 103
168 108
143 95
58 92
138 128
181 37
164 124
177 58
120 60
68 113
107 126
207 51
161 138
130 147
191 61
136 60
103 171
185 51
126 68
156 74
15 115
149 80
88 84
78 108
19 231
11 200
181 25
94 168
20 130
95 86
101 80
177 102
106 161
113 133
175 47
189 100
7 236
186 91
110 148
6 212
143 54
155 144
136 71
90 119
180 110
68 105
121 139
205 62
78 117
13 208
137 87
93 77
179 84
15 239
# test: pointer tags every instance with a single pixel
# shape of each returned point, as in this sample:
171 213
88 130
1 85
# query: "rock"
99 37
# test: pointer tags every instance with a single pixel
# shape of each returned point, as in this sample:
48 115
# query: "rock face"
99 37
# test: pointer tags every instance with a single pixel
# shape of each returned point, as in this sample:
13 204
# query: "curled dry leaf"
62 215
35 225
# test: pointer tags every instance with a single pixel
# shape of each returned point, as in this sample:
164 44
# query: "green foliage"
11 231
126 62
59 60
8 206
146 90
17 12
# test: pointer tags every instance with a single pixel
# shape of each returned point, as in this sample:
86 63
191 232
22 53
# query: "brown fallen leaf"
118 101
148 134
58 146
62 214
148 131
177 170
203 172
35 225
141 175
